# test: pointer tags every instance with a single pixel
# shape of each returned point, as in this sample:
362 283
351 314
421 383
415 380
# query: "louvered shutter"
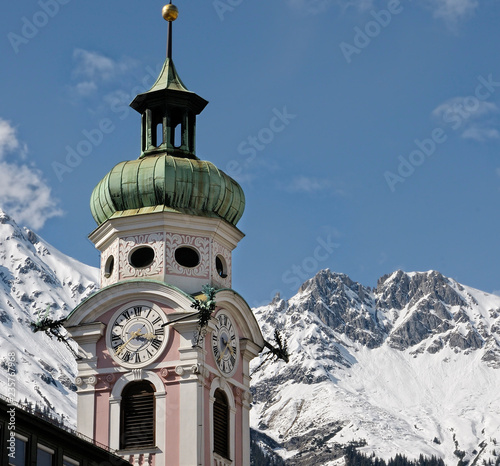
138 416
221 424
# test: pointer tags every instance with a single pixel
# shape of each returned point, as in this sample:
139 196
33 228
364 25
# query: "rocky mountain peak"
4 218
401 365
400 289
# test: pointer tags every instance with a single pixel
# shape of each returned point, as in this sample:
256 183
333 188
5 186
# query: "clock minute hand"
230 348
132 336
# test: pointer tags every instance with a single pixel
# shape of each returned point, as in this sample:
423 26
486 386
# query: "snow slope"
33 276
399 397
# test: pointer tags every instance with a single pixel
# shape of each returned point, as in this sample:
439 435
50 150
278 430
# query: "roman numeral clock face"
136 335
225 344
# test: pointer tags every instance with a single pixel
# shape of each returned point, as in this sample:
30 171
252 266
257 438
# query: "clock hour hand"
133 335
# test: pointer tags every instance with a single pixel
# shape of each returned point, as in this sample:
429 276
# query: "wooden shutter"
137 428
221 424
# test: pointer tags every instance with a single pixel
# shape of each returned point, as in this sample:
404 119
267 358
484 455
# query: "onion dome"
168 176
167 183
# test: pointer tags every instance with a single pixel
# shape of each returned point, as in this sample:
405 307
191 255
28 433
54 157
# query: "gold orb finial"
170 12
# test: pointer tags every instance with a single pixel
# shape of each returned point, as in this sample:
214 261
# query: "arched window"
137 424
221 424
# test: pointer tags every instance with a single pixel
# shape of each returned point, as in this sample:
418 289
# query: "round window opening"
220 266
187 257
142 257
109 267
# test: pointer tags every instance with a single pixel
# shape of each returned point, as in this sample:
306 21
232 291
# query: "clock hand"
230 348
226 346
132 336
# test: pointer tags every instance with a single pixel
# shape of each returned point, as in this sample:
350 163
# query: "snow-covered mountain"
33 276
410 367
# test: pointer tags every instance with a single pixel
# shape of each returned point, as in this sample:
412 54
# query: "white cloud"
85 88
452 11
471 117
92 68
8 140
93 65
304 184
480 134
464 108
24 194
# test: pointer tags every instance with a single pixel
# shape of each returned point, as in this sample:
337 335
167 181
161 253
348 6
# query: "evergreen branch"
276 352
281 350
52 328
205 310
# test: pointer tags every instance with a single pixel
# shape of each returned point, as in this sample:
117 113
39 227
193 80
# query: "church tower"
153 383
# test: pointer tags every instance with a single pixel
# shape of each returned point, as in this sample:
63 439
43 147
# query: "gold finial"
170 12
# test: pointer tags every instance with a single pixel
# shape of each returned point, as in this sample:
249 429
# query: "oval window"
187 257
142 257
220 266
109 267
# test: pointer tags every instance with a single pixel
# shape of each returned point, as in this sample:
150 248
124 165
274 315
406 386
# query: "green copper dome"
168 183
168 176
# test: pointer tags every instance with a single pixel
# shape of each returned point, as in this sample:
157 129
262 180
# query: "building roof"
184 185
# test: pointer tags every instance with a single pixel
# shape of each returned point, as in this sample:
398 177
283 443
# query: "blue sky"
365 134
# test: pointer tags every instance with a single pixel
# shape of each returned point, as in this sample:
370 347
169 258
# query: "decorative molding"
237 392
205 376
86 383
139 459
154 240
199 337
201 244
137 374
247 397
92 380
179 370
220 461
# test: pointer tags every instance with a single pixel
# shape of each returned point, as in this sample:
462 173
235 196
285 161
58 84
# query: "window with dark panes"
20 453
221 424
70 462
44 456
137 427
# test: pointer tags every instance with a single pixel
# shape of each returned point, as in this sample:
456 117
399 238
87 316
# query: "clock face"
225 344
136 335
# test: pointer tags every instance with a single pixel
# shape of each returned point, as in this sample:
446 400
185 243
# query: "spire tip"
170 12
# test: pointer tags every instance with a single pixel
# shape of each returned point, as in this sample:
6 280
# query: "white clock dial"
225 344
137 335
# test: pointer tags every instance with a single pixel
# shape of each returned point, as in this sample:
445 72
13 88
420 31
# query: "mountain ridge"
410 366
